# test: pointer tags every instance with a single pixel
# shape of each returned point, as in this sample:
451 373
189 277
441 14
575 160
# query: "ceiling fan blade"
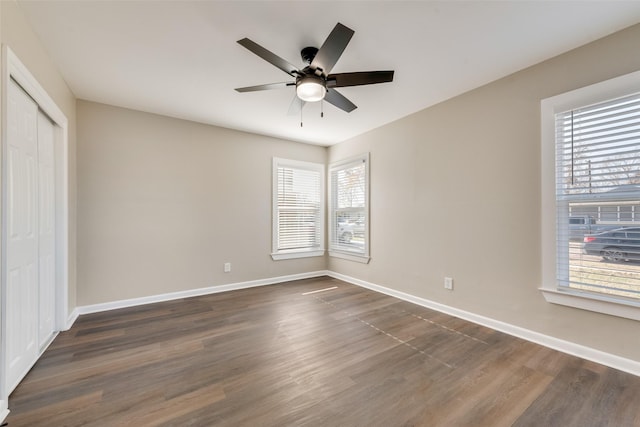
339 100
296 106
265 87
269 56
332 48
359 78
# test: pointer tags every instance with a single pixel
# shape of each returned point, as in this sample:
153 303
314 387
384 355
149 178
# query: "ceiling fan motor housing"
308 53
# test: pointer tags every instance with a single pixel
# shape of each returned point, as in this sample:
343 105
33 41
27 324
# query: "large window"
349 209
298 209
595 135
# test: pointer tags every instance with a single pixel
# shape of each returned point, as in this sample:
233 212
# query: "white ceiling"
181 59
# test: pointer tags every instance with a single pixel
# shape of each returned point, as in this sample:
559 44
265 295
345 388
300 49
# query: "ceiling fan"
314 82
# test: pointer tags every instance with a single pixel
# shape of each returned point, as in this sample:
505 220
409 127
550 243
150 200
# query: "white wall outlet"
227 267
448 283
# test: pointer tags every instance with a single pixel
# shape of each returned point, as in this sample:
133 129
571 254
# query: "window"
349 209
298 209
591 197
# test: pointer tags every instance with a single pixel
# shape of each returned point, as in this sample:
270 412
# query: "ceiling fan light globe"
310 90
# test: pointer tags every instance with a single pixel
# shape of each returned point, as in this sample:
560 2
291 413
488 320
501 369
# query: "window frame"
552 291
336 249
283 254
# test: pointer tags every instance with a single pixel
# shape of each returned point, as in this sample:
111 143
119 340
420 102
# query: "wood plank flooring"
281 356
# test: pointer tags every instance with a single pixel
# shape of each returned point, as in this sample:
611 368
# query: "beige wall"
455 191
17 34
164 203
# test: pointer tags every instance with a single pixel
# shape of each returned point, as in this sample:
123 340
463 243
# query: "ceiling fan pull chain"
322 108
301 117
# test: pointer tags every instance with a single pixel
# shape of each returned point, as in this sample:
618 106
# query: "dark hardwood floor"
281 356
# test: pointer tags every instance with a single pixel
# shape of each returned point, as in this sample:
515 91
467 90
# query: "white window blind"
349 209
298 209
598 198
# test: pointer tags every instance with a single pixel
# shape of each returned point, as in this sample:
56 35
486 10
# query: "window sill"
277 256
592 302
351 257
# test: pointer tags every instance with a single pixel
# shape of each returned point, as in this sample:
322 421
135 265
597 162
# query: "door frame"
13 68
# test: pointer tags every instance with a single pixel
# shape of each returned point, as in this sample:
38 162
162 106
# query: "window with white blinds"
349 209
596 131
298 209
598 187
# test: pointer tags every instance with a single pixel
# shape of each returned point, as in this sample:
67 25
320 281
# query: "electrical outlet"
448 283
227 267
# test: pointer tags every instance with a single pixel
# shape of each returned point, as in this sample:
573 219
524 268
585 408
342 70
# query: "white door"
21 209
46 229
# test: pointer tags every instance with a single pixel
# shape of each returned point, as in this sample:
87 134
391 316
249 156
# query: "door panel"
46 230
22 239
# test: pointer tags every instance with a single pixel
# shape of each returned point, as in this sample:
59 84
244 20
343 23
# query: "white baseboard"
4 411
588 353
96 308
72 319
